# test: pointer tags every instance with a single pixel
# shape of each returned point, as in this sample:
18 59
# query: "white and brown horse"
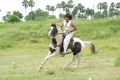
76 46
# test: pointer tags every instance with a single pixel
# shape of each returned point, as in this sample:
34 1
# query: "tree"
25 4
112 9
81 8
63 5
41 15
75 11
37 15
8 14
104 13
18 14
6 17
104 5
82 16
52 8
118 8
103 9
30 16
58 6
99 6
47 8
81 11
69 6
31 4
40 12
89 12
97 15
13 18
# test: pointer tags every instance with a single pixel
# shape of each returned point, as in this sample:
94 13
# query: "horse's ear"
53 25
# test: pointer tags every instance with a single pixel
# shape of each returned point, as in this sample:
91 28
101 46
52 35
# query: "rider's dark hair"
53 25
68 16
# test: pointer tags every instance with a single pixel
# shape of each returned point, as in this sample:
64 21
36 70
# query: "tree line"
77 11
80 11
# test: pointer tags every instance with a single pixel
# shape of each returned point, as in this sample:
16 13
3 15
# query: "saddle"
62 44
53 46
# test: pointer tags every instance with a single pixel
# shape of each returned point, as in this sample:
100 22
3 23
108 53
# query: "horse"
76 46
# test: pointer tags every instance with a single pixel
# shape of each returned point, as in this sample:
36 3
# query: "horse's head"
53 30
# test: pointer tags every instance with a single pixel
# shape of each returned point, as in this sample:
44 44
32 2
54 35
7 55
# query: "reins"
55 38
56 34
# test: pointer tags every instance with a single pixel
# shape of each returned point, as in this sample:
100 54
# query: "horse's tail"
91 46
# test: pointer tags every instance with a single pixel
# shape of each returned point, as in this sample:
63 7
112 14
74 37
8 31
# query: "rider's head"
68 17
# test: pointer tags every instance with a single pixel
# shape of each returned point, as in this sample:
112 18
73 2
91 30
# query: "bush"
5 44
37 15
13 18
116 62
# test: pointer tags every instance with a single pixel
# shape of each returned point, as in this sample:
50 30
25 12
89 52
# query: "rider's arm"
74 28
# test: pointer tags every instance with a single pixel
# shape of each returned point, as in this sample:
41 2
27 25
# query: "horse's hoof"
62 55
64 67
39 69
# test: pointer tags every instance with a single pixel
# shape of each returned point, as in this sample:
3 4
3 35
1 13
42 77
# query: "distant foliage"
37 15
36 31
16 16
13 18
80 11
25 4
28 3
30 16
104 10
31 4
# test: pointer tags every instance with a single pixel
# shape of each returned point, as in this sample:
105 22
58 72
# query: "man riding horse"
75 44
68 29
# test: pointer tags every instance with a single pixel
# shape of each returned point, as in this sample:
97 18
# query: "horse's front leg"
50 55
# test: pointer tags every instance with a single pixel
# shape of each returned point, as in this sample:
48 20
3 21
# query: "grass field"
24 45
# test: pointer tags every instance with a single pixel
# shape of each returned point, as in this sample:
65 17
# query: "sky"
15 5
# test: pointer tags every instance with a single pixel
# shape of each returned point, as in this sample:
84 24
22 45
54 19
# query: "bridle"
55 35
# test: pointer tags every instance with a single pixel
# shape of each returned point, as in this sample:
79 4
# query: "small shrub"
5 44
116 62
115 29
34 41
13 18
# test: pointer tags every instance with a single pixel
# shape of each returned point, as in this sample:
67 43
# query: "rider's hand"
67 31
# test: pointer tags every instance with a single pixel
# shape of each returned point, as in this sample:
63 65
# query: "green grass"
24 45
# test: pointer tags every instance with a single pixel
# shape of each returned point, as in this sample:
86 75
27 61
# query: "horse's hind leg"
78 59
73 59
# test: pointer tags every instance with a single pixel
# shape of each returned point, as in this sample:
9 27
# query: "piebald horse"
76 46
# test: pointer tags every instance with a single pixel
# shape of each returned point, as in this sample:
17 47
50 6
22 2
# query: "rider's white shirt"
67 25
